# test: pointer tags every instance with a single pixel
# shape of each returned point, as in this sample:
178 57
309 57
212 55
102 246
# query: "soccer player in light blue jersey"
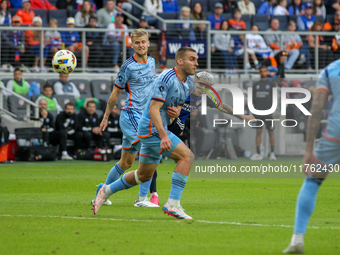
326 156
170 89
135 76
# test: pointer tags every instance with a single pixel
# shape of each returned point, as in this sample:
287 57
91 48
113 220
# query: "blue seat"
293 17
227 16
101 89
257 4
71 13
261 20
203 2
247 19
59 15
13 11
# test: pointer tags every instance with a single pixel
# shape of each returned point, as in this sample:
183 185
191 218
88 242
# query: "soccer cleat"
144 203
256 156
100 198
106 201
154 199
294 249
66 157
272 156
177 212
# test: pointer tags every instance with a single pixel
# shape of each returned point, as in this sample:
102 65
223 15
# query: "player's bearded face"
190 63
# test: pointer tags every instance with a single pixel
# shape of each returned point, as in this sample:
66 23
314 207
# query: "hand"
89 43
248 117
166 144
307 159
96 130
213 49
103 125
22 50
172 112
43 113
44 129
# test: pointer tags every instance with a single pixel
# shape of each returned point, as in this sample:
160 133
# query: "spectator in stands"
12 45
319 8
94 41
278 62
216 18
246 7
153 7
293 41
257 43
17 4
82 17
239 51
200 33
25 13
42 4
333 6
32 39
64 87
296 8
50 136
281 8
184 29
325 55
143 23
170 6
17 85
113 129
336 39
67 4
52 103
236 22
115 39
224 43
267 7
274 42
228 6
5 15
106 15
197 12
71 39
53 38
328 26
306 21
89 124
67 122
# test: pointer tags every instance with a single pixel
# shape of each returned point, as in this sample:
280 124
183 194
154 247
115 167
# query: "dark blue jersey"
192 103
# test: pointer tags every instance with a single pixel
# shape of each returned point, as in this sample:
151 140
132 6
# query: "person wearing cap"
71 39
115 39
82 16
153 7
12 45
25 13
216 18
106 15
170 6
5 14
42 4
246 7
306 21
32 39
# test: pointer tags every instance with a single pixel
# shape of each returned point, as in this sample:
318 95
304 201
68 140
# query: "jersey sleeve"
323 82
160 91
122 78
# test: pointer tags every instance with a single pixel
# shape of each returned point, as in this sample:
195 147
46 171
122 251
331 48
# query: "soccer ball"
64 62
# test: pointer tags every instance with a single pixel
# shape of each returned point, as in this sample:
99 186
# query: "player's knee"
126 164
144 177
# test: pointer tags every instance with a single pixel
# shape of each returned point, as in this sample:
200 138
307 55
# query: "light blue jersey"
167 88
327 151
136 78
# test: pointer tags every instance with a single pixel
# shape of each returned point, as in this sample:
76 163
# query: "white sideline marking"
169 221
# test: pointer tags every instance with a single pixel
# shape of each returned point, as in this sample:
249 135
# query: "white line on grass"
170 221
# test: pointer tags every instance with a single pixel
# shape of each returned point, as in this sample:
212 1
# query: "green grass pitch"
45 209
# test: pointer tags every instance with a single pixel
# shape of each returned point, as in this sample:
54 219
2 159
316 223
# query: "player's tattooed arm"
112 101
320 98
229 110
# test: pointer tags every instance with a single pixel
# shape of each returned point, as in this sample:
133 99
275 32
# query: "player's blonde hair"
138 33
205 77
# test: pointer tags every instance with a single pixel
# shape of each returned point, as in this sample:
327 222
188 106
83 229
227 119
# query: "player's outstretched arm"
156 118
229 110
110 104
320 98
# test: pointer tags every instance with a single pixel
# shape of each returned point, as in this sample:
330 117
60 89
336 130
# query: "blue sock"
120 184
177 185
144 189
114 174
305 204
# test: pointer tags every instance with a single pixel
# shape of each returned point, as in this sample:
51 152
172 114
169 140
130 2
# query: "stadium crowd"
23 47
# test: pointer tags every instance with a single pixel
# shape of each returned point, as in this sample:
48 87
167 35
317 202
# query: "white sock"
154 194
248 65
142 198
173 202
256 62
64 152
107 191
297 238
